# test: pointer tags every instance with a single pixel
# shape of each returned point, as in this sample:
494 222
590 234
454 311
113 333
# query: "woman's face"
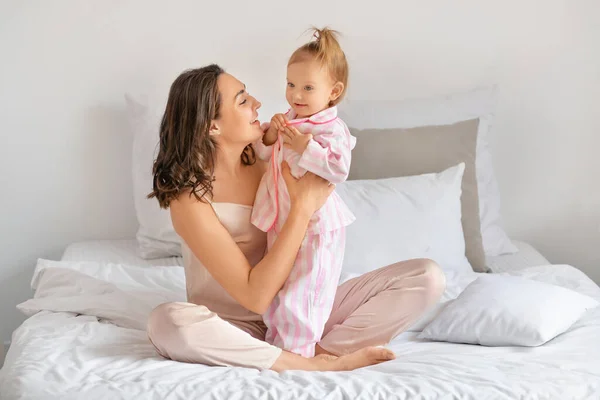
238 122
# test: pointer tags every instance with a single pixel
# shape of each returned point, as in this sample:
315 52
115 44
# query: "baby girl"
309 137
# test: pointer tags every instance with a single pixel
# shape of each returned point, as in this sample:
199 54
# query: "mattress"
94 346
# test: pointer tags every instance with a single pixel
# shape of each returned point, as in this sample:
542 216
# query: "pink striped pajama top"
328 155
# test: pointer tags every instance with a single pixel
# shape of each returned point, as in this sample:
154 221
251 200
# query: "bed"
85 333
97 349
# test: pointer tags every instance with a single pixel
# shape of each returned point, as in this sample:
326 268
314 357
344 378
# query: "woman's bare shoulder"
186 206
187 199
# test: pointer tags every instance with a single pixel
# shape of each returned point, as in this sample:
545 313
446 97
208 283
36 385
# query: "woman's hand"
307 194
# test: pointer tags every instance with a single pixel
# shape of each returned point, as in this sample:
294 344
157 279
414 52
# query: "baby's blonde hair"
327 51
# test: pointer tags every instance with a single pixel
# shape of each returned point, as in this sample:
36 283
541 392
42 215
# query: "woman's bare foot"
326 357
327 362
362 358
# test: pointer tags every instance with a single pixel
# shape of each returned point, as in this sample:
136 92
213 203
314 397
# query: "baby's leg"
286 318
297 316
329 270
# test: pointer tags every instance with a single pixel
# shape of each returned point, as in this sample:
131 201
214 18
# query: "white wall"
65 167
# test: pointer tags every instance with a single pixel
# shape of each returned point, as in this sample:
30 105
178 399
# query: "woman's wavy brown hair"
186 156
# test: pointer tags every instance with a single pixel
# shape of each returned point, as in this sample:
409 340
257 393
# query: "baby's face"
309 87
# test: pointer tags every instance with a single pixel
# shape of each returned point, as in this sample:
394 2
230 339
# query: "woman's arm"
254 288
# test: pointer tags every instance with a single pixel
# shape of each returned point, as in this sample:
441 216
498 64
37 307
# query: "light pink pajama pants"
368 310
296 318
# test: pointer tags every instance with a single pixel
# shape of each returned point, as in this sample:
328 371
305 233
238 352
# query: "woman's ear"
214 128
336 91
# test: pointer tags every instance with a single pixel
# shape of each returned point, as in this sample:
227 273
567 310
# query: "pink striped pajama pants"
296 318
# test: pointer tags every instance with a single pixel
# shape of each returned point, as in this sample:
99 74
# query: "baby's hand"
278 122
295 140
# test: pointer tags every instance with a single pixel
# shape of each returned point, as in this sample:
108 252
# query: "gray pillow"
387 153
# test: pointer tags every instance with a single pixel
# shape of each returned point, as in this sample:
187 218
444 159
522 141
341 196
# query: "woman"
207 174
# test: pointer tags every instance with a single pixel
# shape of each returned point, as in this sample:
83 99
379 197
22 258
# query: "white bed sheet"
527 256
65 352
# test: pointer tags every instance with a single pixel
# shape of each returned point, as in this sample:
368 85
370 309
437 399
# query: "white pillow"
479 103
156 236
497 310
403 218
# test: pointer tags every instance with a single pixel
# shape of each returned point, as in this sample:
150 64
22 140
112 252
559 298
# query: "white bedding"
526 256
65 352
125 252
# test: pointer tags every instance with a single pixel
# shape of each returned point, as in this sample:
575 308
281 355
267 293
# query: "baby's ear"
336 91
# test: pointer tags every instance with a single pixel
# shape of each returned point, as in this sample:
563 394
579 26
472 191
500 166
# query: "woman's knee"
160 316
421 272
160 326
434 279
165 325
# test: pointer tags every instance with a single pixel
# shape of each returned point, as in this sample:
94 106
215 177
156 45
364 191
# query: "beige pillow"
387 153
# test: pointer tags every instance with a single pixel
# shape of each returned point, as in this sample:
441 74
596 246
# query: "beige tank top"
201 288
